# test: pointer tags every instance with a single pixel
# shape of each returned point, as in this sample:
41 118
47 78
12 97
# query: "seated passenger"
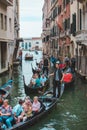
18 109
6 113
27 110
37 68
36 105
32 81
43 79
37 82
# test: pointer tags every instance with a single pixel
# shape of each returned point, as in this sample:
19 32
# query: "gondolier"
57 80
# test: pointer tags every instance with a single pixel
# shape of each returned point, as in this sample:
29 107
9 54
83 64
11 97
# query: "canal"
71 111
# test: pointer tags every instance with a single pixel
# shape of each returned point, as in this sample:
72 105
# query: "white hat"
57 62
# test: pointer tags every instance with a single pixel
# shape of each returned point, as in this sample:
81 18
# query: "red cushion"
67 77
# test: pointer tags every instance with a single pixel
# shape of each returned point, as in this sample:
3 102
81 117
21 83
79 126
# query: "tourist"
43 79
18 109
27 110
32 81
37 82
6 113
36 105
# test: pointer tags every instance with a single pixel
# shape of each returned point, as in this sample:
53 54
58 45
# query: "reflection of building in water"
34 43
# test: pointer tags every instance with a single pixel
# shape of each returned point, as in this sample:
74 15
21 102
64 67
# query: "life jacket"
67 77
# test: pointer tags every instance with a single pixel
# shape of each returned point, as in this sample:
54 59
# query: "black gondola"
28 57
36 52
29 90
47 105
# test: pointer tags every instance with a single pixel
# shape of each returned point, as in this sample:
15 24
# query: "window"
29 44
37 42
71 1
22 45
26 45
5 22
73 25
10 24
2 21
80 18
67 2
3 55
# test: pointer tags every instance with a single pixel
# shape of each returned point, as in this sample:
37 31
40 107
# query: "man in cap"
57 80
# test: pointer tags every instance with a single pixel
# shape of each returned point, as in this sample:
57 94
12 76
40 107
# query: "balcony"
7 2
81 1
81 36
54 2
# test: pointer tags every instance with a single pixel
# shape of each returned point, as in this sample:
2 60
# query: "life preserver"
67 77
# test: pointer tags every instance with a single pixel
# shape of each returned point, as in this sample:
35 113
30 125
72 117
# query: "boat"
47 104
5 89
30 90
28 56
36 52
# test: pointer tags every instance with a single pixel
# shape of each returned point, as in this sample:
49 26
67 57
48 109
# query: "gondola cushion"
67 77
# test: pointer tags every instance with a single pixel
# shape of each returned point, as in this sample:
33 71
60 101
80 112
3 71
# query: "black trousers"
45 68
56 85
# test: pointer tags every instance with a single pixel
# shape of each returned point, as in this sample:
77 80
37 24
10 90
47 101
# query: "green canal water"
71 111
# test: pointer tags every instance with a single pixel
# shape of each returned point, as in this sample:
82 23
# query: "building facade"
7 33
34 43
81 38
54 34
46 26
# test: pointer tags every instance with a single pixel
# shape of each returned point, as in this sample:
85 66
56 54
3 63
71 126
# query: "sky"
31 18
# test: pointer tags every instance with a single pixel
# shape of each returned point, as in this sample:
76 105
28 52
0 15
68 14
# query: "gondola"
28 57
5 89
47 104
30 90
36 52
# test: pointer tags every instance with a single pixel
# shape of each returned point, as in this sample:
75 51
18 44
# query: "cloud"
31 18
